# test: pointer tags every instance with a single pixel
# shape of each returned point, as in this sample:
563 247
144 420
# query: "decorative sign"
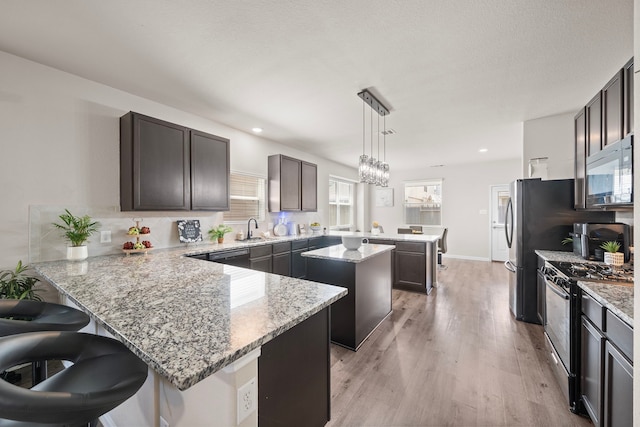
189 230
384 197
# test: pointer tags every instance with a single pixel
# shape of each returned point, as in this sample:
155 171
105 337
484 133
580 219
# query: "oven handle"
555 290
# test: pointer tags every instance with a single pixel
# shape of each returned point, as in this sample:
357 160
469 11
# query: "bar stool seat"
19 316
104 374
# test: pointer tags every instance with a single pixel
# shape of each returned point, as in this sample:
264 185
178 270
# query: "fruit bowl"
315 228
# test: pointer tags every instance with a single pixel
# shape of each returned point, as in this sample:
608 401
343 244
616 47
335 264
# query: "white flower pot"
612 258
375 231
77 253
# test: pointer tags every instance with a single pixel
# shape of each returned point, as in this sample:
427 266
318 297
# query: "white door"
499 200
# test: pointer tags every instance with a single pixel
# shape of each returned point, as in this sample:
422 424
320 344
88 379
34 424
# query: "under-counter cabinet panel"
154 164
165 166
591 352
618 388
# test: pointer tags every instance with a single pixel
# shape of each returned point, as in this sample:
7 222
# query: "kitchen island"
366 273
198 325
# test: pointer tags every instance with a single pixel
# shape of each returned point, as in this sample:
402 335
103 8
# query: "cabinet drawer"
260 251
281 247
620 334
593 310
299 244
381 242
410 247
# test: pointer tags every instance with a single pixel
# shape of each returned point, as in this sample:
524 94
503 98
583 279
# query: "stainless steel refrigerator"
539 215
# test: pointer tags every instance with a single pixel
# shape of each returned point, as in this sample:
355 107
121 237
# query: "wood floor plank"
453 358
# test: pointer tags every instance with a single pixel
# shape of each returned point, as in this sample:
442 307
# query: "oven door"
558 324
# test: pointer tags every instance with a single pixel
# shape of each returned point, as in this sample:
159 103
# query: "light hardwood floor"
453 358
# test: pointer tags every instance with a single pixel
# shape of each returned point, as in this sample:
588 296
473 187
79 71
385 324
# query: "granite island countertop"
186 318
340 253
614 296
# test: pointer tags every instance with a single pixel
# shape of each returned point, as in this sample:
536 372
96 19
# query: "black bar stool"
104 374
20 316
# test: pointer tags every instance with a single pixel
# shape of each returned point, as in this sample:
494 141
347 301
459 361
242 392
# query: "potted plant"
77 230
611 254
374 228
16 284
219 232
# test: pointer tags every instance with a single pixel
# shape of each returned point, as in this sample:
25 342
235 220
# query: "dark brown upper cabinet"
628 97
594 124
209 172
292 184
580 164
612 107
309 187
165 166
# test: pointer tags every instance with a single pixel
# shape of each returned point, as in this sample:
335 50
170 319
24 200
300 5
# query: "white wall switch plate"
247 399
105 236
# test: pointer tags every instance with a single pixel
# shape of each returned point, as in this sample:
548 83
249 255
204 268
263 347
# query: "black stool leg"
38 372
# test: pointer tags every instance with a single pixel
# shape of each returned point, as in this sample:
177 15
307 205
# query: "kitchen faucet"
249 232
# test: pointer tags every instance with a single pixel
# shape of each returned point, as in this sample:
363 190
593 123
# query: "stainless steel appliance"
539 215
609 179
562 323
591 235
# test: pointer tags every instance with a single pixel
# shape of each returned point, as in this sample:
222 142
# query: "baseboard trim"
471 258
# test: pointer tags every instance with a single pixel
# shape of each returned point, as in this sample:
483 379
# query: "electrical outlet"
163 422
247 399
105 236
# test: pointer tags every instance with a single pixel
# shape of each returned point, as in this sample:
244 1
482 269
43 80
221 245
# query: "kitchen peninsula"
200 327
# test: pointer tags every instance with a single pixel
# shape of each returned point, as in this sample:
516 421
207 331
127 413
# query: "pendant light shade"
372 170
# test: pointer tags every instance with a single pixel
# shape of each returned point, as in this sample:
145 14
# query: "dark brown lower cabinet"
281 264
591 352
294 376
618 388
410 266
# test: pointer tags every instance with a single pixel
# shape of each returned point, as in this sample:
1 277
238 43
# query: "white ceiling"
456 75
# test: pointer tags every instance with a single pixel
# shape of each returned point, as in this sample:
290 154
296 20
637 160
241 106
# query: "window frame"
417 183
262 198
338 203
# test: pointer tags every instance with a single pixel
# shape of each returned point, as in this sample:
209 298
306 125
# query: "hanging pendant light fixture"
372 170
363 165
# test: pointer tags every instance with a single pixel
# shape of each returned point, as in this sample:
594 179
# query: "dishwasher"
236 257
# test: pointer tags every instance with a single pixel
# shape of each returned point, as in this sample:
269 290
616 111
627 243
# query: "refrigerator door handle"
509 266
508 223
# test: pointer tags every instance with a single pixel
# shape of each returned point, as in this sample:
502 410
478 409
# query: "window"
423 202
341 205
247 194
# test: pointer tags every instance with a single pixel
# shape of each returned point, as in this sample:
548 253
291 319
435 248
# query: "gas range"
593 272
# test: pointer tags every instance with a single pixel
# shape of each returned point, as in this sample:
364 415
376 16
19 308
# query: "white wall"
59 145
551 137
466 209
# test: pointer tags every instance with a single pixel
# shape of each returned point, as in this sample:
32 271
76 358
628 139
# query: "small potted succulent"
77 230
611 254
16 284
219 232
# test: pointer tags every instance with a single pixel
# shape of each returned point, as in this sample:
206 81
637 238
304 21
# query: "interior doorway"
499 200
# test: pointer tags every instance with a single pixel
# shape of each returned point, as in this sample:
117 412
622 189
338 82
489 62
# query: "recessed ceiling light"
257 130
483 150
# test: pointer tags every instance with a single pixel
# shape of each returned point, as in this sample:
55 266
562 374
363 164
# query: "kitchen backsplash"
47 244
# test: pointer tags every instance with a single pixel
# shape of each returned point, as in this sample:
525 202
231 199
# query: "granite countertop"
614 296
206 247
186 318
340 253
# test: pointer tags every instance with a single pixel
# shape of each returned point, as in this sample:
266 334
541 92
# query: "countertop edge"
588 288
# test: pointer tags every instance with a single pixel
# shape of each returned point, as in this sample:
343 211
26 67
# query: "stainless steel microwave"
610 176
